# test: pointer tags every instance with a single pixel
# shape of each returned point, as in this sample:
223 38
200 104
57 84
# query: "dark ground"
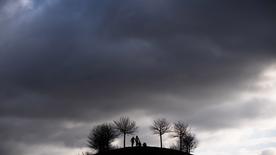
142 151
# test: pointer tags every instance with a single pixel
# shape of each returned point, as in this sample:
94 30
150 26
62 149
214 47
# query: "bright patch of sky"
253 138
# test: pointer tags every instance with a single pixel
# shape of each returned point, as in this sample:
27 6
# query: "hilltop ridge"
142 151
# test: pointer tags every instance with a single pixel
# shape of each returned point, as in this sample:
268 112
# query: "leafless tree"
189 142
125 126
101 137
181 130
160 127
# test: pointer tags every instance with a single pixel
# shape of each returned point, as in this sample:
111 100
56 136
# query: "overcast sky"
67 65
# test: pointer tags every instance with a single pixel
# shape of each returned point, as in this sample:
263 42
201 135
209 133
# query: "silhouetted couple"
136 140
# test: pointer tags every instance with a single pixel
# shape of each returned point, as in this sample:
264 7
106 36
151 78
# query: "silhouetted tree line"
101 136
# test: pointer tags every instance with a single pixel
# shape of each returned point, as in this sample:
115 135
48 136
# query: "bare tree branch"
125 126
160 127
181 129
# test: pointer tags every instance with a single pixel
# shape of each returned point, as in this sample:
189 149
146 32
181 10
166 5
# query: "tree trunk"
160 140
124 140
180 143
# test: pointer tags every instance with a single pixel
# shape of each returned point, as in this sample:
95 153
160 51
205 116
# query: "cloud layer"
80 63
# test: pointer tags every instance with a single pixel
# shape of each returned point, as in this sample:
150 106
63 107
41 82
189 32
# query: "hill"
142 151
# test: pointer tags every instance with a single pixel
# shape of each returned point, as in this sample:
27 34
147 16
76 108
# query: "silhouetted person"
132 140
137 141
144 144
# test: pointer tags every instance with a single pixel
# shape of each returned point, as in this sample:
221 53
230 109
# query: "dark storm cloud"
43 131
89 60
83 50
